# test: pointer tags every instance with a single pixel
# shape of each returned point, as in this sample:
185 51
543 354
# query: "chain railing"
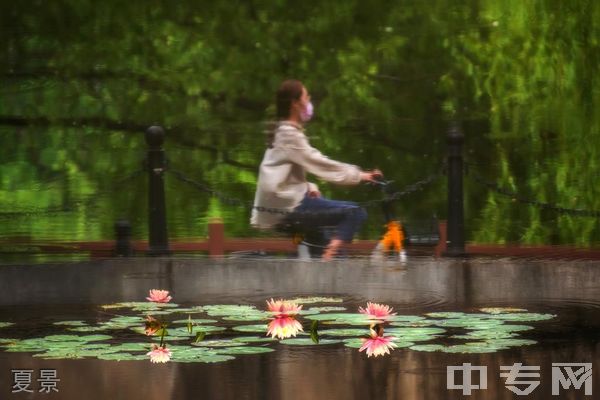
408 189
73 205
579 212
229 200
156 166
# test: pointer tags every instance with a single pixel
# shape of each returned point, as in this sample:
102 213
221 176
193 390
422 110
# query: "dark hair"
288 91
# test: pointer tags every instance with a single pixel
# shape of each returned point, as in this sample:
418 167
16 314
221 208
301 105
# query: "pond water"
528 311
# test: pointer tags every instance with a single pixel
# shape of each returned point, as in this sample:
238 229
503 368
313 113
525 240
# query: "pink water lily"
377 311
284 327
377 344
159 296
283 307
159 354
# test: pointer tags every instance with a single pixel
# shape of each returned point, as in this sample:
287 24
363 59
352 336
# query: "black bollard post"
123 239
157 214
456 226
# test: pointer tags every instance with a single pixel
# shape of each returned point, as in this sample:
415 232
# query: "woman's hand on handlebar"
371 176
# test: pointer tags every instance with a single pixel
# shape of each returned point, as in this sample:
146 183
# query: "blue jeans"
316 212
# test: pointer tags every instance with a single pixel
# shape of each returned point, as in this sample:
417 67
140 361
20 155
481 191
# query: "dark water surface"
34 296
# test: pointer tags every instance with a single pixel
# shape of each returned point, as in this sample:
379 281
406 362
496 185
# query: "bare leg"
332 249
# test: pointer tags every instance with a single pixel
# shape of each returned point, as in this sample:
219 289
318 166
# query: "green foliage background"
81 80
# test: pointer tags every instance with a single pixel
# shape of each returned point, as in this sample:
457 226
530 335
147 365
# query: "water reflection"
159 354
284 323
284 327
491 330
377 344
152 326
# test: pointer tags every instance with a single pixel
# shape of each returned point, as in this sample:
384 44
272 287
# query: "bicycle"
312 242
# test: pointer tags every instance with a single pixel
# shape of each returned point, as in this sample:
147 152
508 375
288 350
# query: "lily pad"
447 314
159 312
474 347
126 347
516 342
74 352
191 354
170 338
308 342
189 310
512 328
75 345
245 350
253 339
226 310
122 357
308 312
109 325
522 317
470 323
249 317
145 305
67 323
76 338
203 358
501 310
182 331
98 328
200 328
127 320
260 328
354 343
344 332
311 300
486 334
427 347
139 305
341 318
326 309
415 334
195 321
218 343
414 324
30 345
404 318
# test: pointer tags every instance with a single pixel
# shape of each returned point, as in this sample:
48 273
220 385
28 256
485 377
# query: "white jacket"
282 180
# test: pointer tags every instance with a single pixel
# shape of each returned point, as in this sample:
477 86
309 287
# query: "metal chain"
207 189
222 197
237 202
73 205
540 204
409 189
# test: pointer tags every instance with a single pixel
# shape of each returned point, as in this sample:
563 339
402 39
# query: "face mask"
307 113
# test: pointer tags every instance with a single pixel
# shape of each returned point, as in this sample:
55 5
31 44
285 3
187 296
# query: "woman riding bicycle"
282 184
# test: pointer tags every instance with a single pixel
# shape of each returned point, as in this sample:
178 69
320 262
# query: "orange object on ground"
393 237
